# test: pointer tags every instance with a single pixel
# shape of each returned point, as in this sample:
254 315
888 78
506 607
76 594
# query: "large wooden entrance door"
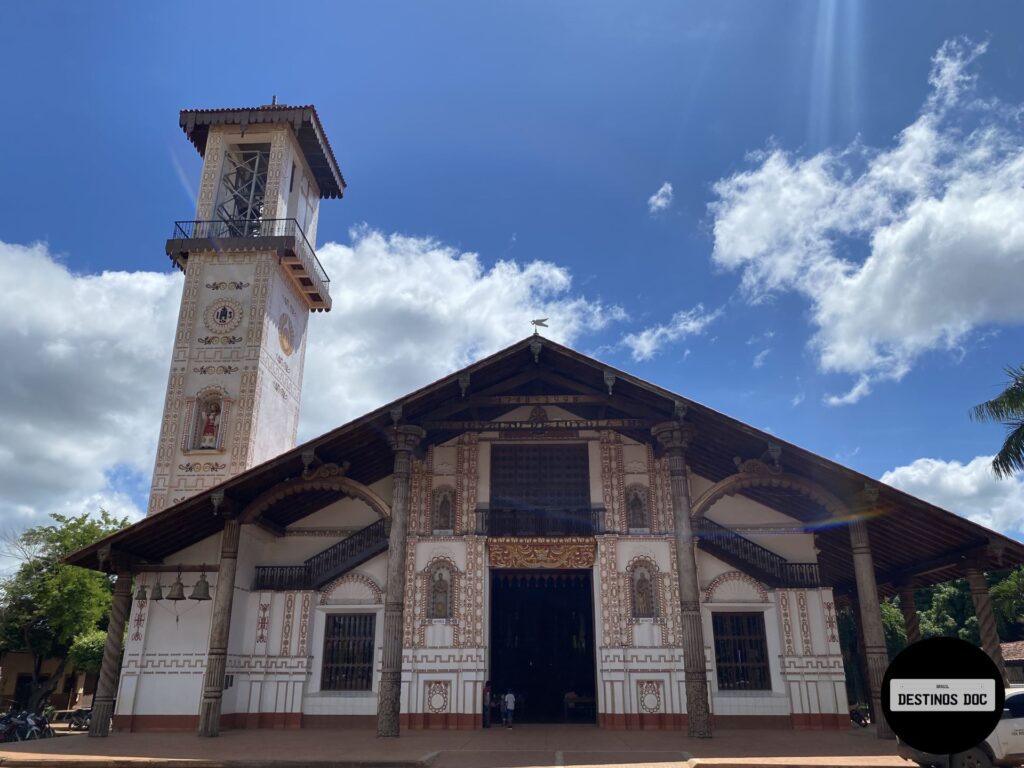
542 643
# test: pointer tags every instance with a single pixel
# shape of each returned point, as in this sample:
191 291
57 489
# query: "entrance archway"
542 644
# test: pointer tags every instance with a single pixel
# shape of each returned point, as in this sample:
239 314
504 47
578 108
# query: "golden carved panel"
541 553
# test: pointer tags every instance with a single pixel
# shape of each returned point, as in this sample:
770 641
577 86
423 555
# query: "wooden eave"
912 541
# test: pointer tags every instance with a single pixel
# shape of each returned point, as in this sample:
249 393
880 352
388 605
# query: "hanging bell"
177 590
157 593
201 591
140 593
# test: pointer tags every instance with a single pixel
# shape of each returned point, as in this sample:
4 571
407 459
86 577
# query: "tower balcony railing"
283 235
518 521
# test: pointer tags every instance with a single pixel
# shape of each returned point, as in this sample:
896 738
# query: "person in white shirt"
510 708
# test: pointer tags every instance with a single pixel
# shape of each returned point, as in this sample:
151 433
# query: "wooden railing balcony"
507 521
282 235
762 563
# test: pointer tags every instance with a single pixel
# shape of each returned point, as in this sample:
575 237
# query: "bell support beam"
403 439
675 436
911 619
220 627
986 618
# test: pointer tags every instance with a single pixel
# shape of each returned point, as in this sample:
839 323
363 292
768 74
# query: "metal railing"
219 229
579 521
325 565
780 570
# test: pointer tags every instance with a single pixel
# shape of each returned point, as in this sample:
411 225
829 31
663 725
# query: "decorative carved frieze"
541 553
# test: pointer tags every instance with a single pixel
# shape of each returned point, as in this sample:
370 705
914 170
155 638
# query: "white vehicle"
1004 747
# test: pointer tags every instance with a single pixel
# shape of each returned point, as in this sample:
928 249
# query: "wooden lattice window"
555 477
348 652
741 651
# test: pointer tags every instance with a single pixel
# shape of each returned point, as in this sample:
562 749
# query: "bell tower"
251 280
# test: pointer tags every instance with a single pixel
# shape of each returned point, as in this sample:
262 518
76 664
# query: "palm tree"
1008 408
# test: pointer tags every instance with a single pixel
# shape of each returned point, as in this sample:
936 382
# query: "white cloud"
648 342
797 399
87 355
661 199
761 356
409 310
895 249
971 490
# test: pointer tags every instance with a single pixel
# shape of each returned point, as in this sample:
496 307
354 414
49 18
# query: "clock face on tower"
222 315
286 333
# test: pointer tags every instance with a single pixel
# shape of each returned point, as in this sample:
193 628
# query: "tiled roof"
1013 651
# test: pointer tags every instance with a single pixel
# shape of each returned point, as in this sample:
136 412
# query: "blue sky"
541 133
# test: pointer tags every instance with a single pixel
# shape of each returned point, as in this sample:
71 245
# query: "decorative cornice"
538 552
674 435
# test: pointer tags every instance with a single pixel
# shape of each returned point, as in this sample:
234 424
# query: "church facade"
539 522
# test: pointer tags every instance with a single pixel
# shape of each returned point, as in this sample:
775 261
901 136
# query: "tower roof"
303 120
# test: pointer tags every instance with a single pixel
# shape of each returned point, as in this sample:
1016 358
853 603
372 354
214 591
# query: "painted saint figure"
643 594
440 595
211 427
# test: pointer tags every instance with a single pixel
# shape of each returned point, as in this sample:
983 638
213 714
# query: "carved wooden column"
220 627
404 439
675 436
110 668
911 620
875 653
986 618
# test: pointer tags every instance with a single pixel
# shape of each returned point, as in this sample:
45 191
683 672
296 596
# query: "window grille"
348 652
741 651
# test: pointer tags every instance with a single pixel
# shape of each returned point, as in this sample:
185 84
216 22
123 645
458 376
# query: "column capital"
864 499
405 437
674 435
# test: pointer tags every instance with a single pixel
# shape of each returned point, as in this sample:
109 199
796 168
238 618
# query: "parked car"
1005 746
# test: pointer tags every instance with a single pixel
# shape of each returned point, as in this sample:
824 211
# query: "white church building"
538 522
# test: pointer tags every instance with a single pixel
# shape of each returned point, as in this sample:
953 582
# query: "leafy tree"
86 651
895 630
1007 408
45 604
951 613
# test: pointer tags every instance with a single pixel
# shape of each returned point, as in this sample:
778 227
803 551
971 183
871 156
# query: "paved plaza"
522 747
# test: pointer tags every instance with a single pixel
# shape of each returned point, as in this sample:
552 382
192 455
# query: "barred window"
741 651
348 652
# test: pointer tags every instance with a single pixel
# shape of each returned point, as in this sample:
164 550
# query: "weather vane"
541 323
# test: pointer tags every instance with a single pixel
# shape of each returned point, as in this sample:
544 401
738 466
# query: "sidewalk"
522 747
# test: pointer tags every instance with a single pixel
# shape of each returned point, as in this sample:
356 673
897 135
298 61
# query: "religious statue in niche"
441 594
636 509
643 593
444 517
209 429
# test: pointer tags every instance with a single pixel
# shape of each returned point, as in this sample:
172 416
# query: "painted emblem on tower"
286 333
223 315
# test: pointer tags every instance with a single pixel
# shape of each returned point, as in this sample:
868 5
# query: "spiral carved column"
986 618
404 440
875 653
911 620
675 437
110 668
220 626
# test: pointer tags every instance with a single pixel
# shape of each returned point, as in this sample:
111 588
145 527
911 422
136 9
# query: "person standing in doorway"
510 708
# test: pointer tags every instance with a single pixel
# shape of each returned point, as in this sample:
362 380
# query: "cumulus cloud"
649 342
971 490
409 310
761 356
88 355
81 395
661 199
896 248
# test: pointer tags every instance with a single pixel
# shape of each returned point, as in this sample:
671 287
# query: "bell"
177 590
157 593
201 591
140 593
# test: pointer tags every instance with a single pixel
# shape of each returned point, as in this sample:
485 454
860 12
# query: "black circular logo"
942 695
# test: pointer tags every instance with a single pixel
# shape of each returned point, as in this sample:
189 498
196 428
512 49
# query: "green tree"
1007 408
1008 602
86 651
45 604
951 613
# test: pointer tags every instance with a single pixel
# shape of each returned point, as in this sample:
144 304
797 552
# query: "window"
444 510
645 602
637 518
741 651
243 188
1015 704
440 597
348 652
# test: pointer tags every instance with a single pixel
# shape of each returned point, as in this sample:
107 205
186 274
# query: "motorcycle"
80 719
859 717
